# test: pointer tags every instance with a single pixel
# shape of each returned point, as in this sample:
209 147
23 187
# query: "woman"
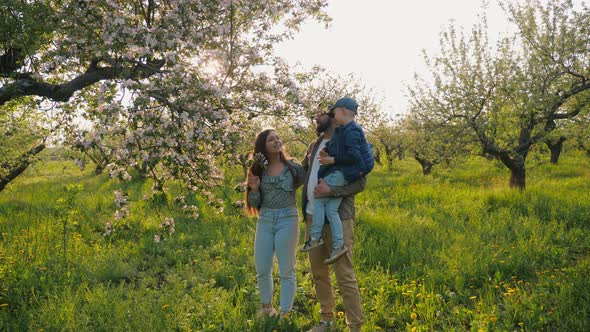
272 182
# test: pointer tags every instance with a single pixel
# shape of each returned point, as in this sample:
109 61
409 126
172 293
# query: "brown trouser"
345 276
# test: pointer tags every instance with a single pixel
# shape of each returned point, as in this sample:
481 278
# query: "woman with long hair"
272 182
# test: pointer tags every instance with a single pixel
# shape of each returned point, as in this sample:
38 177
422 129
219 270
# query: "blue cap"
347 103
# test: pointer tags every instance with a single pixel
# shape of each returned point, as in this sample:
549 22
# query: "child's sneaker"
312 244
335 253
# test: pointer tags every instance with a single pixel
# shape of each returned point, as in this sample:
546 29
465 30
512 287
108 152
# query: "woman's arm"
254 199
299 176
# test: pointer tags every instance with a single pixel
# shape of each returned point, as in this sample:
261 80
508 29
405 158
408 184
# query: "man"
343 268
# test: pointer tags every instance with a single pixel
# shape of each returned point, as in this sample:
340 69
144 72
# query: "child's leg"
331 209
335 223
319 217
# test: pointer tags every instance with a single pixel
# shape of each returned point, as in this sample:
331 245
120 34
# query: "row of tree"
509 96
176 90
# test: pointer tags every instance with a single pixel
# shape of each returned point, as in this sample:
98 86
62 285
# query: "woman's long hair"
257 170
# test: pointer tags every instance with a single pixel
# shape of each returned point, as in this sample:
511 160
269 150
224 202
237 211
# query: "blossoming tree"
174 80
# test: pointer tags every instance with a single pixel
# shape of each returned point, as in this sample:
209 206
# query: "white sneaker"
262 311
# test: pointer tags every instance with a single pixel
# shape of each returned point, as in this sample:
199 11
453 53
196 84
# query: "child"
346 158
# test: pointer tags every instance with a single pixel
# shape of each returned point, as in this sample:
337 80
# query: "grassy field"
455 251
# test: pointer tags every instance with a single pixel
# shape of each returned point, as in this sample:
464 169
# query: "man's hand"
322 189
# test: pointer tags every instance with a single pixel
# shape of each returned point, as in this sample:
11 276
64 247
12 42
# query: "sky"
381 41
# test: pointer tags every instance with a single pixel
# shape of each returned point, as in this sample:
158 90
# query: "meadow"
453 251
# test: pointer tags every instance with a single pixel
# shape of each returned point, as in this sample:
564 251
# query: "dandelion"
473 297
493 318
340 314
413 316
165 306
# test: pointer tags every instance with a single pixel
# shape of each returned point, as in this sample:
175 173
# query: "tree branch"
63 92
25 161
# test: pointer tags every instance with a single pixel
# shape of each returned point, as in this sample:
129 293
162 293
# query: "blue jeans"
277 232
328 207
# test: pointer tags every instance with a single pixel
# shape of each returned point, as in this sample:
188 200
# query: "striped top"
277 192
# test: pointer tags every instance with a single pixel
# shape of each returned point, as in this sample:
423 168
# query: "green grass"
458 249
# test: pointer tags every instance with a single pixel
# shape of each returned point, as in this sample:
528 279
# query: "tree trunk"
143 170
426 165
389 162
389 156
515 164
555 148
377 155
99 168
25 161
518 178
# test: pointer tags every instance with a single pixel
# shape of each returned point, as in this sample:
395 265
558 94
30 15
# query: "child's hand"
324 152
326 160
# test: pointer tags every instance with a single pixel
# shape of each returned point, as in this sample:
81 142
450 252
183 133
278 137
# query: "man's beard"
322 127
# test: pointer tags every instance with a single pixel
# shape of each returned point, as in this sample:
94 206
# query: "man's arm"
324 190
305 161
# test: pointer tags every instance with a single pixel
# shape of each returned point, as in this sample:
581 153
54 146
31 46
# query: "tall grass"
457 250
